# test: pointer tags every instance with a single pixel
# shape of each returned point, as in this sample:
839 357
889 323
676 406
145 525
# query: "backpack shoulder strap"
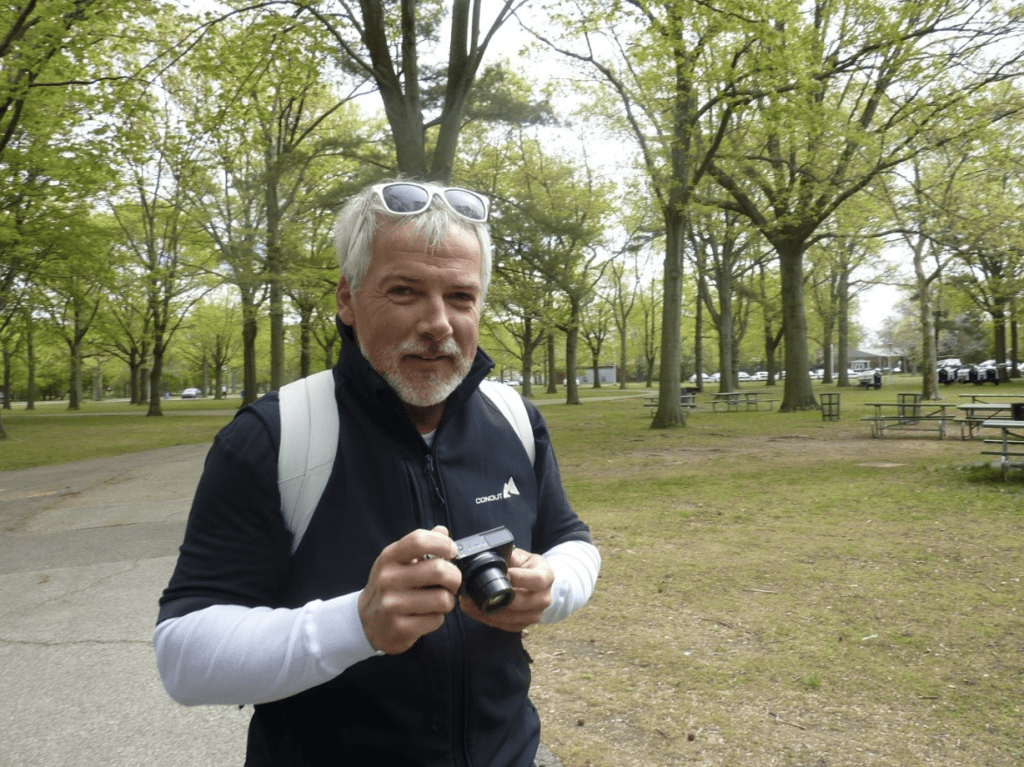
309 441
511 405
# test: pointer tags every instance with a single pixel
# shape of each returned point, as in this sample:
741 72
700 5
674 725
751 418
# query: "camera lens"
484 579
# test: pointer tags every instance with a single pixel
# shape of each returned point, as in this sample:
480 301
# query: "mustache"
423 348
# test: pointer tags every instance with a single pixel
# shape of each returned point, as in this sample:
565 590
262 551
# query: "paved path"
85 550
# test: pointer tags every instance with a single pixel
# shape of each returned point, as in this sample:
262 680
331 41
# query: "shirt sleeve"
228 654
577 565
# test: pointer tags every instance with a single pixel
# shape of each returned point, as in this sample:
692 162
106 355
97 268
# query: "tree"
386 50
725 254
55 54
55 45
653 70
558 222
595 327
71 291
864 97
624 278
212 340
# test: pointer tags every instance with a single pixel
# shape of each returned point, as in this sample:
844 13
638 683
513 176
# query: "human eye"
463 297
401 292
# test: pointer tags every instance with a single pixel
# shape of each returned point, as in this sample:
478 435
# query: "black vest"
459 695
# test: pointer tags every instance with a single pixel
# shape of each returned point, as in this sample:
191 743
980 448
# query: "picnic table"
687 399
908 413
976 413
731 401
985 397
1010 442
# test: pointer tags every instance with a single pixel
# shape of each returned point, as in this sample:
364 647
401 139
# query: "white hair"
364 214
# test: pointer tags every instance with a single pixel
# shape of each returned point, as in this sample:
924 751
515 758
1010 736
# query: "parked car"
191 393
743 376
761 375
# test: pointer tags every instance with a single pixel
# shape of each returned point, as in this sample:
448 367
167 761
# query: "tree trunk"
305 341
30 358
249 331
1015 357
843 361
999 332
155 375
621 373
552 388
528 346
572 389
827 331
75 395
572 333
97 383
929 343
727 379
798 393
670 413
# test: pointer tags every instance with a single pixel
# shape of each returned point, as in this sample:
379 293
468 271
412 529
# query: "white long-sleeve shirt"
229 654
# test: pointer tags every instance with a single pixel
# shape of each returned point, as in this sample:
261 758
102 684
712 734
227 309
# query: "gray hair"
364 214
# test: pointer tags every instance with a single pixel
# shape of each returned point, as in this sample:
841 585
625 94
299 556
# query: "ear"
343 296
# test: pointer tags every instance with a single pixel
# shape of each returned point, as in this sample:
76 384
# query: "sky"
876 305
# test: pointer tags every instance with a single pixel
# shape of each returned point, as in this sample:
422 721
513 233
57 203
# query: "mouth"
427 358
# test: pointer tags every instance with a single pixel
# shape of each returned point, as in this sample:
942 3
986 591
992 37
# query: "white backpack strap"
511 405
309 441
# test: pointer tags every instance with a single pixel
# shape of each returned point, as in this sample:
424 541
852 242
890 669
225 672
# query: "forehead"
399 250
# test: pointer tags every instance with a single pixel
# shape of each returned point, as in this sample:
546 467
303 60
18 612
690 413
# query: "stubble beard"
421 389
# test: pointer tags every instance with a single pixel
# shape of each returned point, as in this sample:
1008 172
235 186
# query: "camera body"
483 560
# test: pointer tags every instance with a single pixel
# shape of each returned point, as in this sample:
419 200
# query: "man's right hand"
408 594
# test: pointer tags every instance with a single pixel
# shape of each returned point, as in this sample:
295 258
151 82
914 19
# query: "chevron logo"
510 488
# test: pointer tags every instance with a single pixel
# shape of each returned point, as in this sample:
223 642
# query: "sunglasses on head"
407 198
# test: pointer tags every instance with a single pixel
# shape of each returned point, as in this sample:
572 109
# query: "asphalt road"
85 551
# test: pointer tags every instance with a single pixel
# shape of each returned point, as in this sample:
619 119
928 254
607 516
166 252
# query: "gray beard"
427 389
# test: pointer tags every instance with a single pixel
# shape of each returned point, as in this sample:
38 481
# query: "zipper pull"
434 482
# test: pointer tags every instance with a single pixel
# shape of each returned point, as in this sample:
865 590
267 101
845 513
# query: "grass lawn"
52 434
776 589
779 590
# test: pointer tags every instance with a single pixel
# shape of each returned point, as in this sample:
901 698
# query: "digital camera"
483 560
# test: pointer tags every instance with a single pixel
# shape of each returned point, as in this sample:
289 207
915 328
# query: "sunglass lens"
466 204
405 198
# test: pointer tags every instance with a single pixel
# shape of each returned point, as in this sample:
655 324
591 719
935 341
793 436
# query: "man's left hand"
531 577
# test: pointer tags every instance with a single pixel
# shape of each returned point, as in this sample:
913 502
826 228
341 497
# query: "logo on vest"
508 491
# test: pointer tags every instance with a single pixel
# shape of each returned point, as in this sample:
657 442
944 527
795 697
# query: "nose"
433 322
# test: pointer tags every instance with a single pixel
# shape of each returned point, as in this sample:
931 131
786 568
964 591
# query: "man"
357 648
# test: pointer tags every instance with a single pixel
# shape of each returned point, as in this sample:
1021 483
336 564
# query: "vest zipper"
435 482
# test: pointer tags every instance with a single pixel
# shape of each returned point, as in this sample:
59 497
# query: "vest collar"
356 372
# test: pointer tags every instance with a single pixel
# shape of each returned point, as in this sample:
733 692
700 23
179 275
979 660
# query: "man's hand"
531 577
408 593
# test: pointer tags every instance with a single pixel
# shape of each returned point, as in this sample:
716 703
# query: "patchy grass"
786 591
